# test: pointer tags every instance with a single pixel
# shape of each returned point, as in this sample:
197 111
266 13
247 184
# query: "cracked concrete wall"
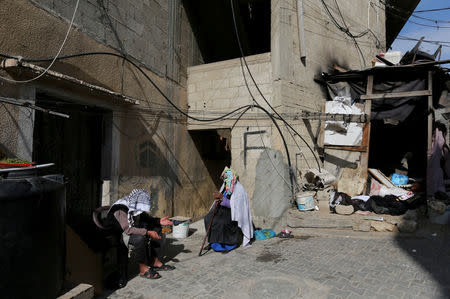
143 31
294 84
291 88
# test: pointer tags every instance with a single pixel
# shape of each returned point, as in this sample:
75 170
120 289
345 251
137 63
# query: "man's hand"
165 221
154 235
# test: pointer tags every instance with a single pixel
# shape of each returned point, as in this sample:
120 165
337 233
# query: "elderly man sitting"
140 232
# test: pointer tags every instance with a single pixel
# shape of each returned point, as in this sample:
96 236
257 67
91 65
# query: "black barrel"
32 236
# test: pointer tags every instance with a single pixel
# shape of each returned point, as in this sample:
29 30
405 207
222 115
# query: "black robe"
223 230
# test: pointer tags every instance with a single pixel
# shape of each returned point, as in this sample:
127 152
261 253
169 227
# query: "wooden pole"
367 111
209 227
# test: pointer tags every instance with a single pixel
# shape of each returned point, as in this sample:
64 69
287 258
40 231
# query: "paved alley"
319 265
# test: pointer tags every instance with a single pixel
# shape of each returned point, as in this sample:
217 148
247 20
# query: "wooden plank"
364 164
81 291
367 110
347 148
430 109
381 177
356 118
416 93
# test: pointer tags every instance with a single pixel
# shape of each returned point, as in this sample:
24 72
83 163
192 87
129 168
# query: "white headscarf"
138 201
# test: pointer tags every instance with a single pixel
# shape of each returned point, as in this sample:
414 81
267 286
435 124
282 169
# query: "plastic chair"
99 216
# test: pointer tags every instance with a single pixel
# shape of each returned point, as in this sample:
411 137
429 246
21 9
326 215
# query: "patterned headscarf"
138 201
229 177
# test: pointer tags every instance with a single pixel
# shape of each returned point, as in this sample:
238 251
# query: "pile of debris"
387 207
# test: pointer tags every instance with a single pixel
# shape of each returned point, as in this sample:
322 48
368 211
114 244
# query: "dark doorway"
212 23
215 151
74 145
389 143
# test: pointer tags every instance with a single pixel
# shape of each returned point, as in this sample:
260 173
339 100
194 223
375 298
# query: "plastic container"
305 201
180 227
32 235
4 165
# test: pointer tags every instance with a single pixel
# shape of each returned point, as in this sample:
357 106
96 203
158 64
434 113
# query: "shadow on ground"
430 249
167 255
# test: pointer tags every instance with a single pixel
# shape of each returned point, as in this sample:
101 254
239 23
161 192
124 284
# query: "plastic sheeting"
339 132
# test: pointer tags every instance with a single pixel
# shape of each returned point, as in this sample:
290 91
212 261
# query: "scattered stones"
410 215
352 181
362 226
393 221
344 210
437 206
381 226
324 194
407 226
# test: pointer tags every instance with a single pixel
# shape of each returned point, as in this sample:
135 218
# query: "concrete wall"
158 36
326 45
144 30
217 87
291 88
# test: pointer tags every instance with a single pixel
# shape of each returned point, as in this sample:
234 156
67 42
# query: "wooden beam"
430 109
367 109
417 93
347 148
355 118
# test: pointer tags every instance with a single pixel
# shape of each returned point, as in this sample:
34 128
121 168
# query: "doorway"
390 143
214 147
74 144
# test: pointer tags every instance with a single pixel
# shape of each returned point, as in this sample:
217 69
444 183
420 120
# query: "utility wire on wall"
259 90
54 59
143 73
404 14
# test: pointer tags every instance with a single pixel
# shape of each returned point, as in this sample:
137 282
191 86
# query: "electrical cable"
260 134
431 20
256 85
345 28
313 8
425 41
406 13
54 59
143 73
434 9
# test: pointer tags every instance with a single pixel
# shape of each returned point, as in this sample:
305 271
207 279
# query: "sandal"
150 274
165 267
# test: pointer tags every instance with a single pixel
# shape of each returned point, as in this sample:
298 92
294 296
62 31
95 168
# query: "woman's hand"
154 235
217 197
165 221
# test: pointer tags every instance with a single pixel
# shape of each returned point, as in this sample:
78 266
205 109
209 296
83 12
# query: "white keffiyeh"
137 202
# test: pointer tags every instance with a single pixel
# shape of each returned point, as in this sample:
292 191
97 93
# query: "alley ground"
314 264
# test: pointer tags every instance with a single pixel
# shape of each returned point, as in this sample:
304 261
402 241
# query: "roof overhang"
397 14
25 69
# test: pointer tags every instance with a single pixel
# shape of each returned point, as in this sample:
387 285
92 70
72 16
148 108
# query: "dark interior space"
389 143
214 150
74 144
212 23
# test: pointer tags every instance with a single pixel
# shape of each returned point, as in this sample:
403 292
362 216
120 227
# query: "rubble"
382 226
407 226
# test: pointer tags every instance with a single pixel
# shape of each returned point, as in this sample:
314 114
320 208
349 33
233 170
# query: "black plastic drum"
32 236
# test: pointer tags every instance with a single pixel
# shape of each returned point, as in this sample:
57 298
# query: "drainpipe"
301 30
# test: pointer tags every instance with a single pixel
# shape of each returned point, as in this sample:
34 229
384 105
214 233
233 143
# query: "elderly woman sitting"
232 223
140 232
